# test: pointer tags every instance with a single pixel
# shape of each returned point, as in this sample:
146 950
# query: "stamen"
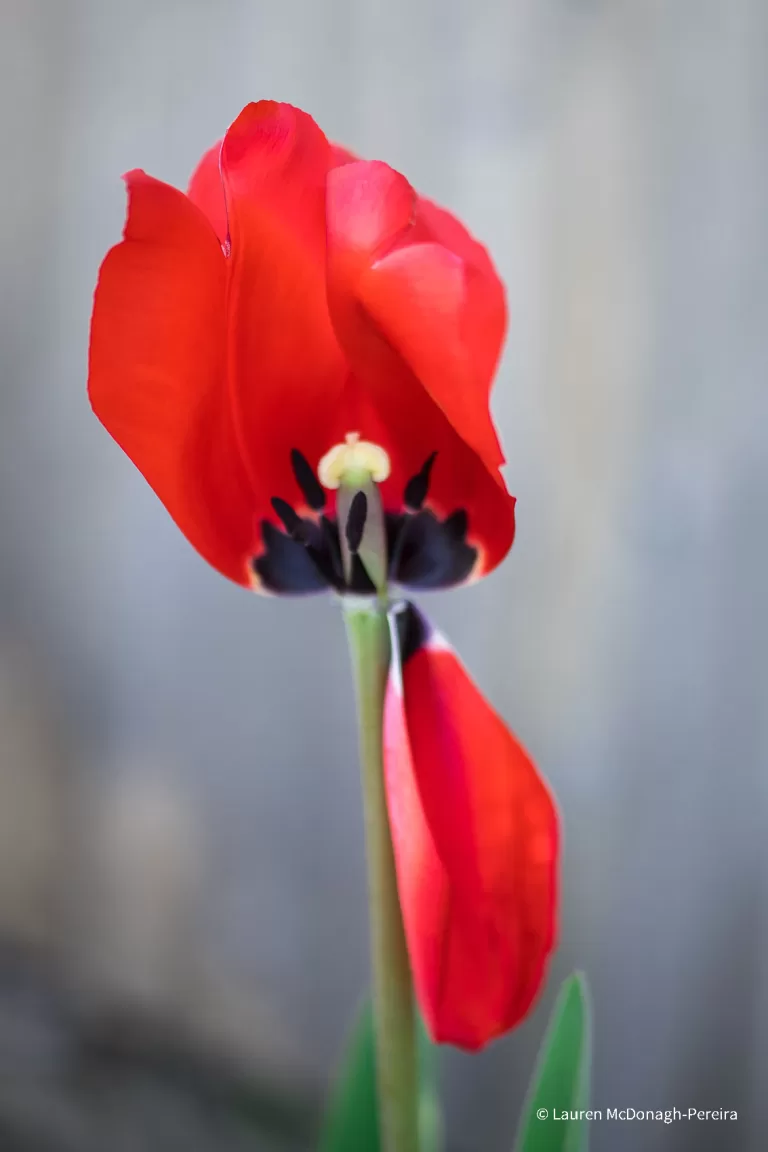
353 461
290 519
356 518
307 481
457 524
417 487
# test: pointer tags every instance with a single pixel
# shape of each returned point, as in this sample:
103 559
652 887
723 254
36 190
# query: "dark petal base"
413 630
429 553
423 551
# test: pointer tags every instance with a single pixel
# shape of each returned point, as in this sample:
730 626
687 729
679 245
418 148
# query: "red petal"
416 275
340 155
437 311
207 191
412 359
451 233
157 370
288 372
475 833
399 415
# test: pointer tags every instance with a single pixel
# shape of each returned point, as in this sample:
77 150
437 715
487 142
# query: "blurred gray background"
180 826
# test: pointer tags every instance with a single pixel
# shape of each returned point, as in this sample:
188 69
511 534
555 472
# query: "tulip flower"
297 353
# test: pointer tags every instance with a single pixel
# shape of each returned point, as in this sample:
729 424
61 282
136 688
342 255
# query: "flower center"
353 462
363 546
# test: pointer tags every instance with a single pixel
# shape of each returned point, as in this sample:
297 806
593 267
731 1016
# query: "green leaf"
352 1121
561 1081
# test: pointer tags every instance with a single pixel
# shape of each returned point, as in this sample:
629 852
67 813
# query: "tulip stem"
393 1004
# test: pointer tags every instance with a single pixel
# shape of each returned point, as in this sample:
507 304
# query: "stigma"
353 462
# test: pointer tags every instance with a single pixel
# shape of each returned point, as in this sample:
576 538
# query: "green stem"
393 1007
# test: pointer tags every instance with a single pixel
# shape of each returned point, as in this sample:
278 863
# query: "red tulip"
297 318
292 297
475 833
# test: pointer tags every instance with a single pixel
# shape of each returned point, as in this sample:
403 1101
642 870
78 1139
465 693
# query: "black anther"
457 524
307 481
417 487
290 520
355 526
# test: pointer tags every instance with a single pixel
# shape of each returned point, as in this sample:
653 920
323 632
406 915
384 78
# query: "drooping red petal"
157 370
416 275
475 833
289 377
